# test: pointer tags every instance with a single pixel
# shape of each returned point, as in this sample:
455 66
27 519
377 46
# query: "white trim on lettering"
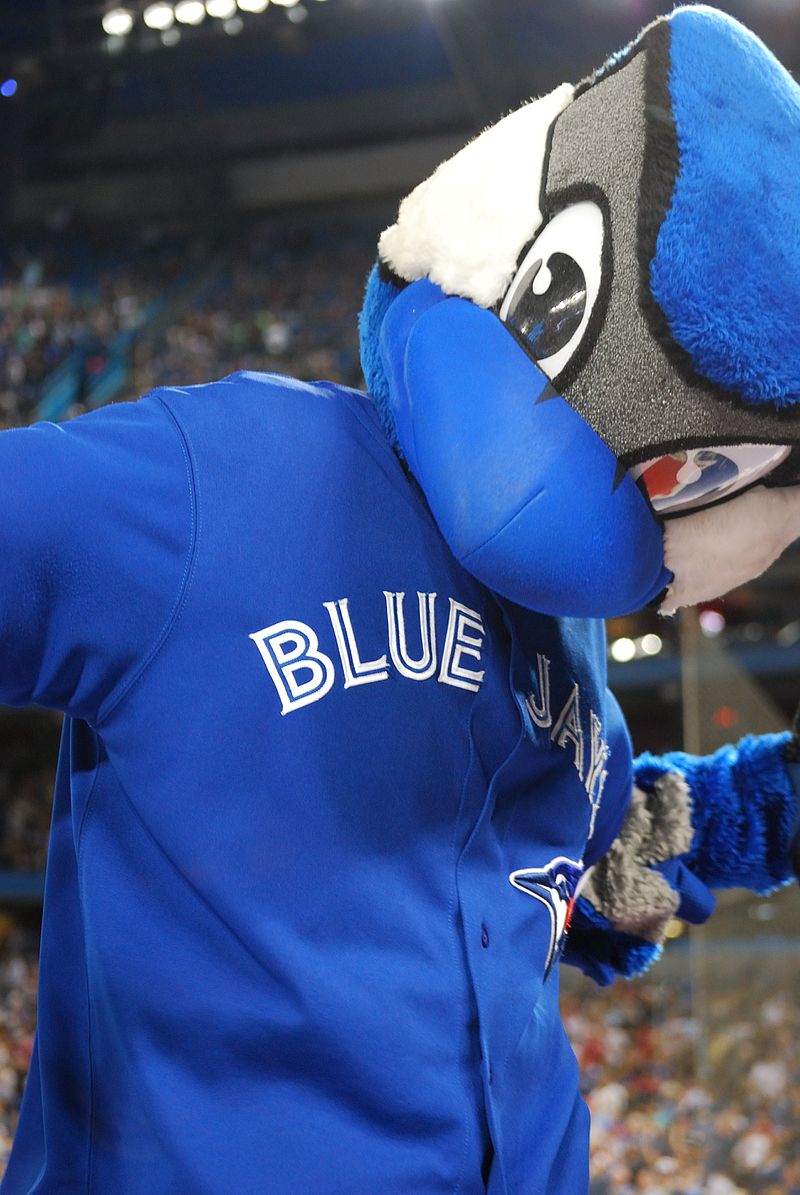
425 667
282 666
459 643
568 727
356 670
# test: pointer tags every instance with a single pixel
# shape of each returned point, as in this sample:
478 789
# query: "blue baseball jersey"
321 809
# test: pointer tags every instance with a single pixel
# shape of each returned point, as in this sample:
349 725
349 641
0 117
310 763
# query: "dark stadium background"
184 200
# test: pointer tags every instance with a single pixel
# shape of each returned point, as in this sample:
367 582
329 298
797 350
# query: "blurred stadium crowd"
25 801
691 1096
269 307
186 309
18 979
74 294
682 1103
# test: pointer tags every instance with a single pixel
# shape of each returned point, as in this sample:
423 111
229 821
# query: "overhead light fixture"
253 5
298 14
233 26
159 16
286 3
117 22
170 37
190 12
221 9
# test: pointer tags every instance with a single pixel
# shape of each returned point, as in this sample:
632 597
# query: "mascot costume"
341 780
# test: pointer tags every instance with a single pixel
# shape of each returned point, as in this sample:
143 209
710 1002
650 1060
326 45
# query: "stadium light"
159 16
253 5
190 12
286 3
221 9
651 644
623 650
117 22
712 623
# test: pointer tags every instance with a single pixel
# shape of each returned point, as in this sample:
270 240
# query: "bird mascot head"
583 331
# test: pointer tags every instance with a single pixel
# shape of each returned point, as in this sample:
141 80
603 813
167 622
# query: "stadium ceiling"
309 73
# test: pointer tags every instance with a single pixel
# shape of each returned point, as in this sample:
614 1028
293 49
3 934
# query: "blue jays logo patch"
554 885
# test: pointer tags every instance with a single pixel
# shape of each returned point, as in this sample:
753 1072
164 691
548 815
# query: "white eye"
551 299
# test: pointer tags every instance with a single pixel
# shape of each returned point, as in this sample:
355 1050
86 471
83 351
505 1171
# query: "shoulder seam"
114 699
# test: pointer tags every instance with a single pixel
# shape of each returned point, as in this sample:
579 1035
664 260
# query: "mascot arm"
95 534
693 824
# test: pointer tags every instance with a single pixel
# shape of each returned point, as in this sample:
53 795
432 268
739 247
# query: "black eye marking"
548 392
551 305
620 474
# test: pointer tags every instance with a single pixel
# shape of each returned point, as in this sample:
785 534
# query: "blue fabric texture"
744 811
602 952
794 775
726 272
696 899
279 935
60 485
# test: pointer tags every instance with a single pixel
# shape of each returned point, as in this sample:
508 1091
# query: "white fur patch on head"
711 552
466 225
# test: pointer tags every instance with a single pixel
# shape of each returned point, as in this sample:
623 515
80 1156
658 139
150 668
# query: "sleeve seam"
115 697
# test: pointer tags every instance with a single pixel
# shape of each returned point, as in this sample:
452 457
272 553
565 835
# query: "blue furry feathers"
726 272
380 294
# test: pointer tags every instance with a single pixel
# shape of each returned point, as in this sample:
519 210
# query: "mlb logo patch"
682 481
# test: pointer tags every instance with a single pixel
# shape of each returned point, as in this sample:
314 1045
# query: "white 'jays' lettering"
539 704
568 727
303 674
568 731
597 773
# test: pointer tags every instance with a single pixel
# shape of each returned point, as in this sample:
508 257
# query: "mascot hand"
726 820
642 882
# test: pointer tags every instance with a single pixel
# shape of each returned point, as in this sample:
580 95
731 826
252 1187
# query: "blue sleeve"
744 811
616 796
96 528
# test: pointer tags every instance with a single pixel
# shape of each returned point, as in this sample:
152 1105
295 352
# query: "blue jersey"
321 809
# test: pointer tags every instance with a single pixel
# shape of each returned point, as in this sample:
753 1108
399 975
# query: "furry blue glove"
726 820
792 757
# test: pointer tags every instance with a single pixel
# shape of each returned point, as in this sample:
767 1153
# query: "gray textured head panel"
629 387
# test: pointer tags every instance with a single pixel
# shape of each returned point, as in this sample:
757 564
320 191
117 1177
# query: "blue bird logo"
554 886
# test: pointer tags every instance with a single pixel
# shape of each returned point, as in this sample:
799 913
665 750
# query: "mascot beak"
528 497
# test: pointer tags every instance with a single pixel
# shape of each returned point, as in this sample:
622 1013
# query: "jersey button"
484 937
